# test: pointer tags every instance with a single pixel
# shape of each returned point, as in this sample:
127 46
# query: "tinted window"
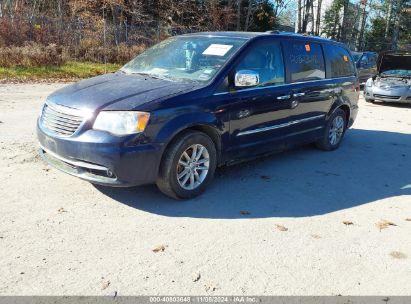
267 60
372 59
340 61
356 56
364 60
306 61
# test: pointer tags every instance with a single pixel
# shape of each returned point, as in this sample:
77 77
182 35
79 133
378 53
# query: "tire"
338 121
369 100
174 158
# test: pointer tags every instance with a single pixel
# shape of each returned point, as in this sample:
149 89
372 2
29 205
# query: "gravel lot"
60 235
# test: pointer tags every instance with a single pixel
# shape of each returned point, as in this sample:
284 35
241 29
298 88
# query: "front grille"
60 119
386 96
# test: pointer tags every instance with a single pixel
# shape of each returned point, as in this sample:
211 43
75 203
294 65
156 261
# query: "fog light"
109 173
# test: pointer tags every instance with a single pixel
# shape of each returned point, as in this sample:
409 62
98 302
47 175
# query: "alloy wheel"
193 166
336 130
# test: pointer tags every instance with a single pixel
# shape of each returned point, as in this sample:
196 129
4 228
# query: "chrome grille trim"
386 96
61 120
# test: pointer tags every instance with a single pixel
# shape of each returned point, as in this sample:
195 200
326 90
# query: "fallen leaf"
105 285
265 177
348 223
384 224
398 255
196 277
281 227
61 210
159 248
408 219
316 236
210 287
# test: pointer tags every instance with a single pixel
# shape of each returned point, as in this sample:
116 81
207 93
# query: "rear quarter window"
340 62
305 61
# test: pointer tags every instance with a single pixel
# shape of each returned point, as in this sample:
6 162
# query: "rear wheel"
188 165
334 131
369 100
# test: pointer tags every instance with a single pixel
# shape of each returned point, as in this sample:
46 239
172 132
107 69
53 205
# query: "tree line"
115 30
68 22
362 24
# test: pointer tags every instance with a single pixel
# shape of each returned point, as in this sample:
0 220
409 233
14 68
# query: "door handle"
284 97
298 94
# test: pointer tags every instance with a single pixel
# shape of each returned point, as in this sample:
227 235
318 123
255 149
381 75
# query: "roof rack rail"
273 32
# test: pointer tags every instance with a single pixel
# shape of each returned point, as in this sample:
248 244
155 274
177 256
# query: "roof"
251 35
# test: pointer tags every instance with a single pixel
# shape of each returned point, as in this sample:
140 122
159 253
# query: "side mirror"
246 78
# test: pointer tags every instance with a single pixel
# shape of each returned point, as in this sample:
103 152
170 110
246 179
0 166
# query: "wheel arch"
207 128
343 106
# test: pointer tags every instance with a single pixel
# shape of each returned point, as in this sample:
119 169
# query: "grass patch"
69 71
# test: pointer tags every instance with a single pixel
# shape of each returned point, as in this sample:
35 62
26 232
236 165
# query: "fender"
188 120
338 103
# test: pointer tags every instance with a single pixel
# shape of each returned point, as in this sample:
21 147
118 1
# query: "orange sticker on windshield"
345 58
307 47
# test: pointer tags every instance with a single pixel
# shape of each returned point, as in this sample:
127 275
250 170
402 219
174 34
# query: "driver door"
256 113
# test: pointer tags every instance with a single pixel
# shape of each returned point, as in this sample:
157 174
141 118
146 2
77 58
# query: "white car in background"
393 82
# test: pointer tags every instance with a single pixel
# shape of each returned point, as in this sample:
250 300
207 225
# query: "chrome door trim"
283 125
284 97
280 85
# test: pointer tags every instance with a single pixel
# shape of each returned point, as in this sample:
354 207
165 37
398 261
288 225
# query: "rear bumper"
101 158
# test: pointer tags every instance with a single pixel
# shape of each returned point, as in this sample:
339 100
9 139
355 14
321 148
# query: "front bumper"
101 158
400 95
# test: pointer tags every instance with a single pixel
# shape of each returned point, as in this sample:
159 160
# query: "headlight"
369 82
121 122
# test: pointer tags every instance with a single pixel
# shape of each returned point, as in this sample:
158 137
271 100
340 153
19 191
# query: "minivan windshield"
193 58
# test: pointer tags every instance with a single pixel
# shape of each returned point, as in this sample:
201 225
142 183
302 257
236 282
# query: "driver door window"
267 60
364 61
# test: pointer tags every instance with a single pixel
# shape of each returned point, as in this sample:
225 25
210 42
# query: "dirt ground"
305 222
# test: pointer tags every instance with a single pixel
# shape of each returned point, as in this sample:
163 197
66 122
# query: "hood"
392 60
116 92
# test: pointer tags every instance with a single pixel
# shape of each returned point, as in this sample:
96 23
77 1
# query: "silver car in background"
393 82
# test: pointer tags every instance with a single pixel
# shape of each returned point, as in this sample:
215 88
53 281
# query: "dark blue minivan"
194 102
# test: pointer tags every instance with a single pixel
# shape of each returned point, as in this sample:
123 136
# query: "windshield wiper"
155 76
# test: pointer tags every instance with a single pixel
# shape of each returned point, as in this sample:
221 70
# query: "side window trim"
288 64
231 73
329 60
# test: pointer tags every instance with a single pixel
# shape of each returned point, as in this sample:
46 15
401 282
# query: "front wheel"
188 165
334 131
